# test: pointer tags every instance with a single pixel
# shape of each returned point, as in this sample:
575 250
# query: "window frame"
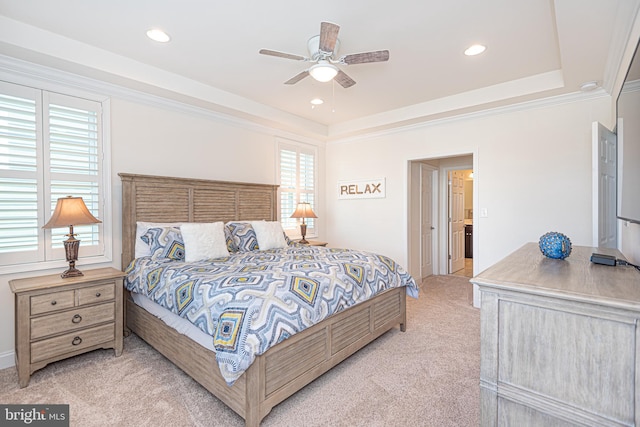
49 257
299 148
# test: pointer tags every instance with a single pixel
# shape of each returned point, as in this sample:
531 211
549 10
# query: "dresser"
559 341
57 318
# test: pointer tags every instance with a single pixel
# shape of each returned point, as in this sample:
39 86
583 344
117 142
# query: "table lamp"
71 211
303 210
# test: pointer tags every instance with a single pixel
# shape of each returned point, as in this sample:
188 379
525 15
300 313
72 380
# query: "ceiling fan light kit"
323 71
323 50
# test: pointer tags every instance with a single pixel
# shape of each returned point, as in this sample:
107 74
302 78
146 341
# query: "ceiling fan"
323 50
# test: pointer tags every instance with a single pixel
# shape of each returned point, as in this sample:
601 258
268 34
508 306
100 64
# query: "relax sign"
362 189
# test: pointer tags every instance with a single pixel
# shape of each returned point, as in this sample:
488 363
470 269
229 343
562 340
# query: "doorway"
461 224
430 238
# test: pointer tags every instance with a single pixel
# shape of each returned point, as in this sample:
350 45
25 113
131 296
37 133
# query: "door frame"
440 253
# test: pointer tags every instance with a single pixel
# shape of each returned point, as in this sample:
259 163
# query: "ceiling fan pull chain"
333 96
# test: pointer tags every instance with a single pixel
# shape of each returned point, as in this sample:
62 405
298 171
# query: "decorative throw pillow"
287 239
164 242
204 241
269 234
142 247
231 247
243 236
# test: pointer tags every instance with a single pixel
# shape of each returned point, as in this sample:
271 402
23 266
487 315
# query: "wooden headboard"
167 199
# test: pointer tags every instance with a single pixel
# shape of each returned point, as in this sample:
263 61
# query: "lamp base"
71 246
303 232
71 272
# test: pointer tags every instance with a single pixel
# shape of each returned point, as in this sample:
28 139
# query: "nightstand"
314 243
57 318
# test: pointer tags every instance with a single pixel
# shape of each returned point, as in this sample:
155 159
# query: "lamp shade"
303 210
70 211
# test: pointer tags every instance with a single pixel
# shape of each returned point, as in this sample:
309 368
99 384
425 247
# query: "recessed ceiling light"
158 35
589 86
476 49
317 101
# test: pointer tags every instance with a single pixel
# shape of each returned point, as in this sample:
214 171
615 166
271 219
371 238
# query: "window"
297 184
51 146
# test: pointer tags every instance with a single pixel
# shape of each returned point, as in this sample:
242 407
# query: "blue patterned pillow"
231 247
165 242
243 236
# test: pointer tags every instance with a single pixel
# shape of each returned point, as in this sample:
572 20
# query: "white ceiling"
535 49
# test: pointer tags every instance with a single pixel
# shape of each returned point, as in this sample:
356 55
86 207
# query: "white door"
426 221
604 187
456 221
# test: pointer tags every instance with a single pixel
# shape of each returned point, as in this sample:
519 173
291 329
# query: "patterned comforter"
250 301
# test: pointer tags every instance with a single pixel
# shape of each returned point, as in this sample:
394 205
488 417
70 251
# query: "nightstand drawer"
53 347
96 293
70 320
52 302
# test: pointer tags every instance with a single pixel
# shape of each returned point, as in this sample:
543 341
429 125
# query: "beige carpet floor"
427 376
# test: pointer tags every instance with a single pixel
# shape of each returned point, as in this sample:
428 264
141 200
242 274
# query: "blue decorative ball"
555 245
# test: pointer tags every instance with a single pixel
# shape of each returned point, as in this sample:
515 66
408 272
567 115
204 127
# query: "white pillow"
269 234
141 247
204 241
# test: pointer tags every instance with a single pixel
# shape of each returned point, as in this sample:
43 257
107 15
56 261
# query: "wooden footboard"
286 367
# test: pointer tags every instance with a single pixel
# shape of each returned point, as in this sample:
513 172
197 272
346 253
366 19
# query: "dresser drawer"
53 347
70 320
96 294
52 302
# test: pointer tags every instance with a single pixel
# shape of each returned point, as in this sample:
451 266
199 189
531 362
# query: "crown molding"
29 74
515 107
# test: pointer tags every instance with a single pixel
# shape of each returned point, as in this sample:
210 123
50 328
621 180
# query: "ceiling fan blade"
328 36
363 58
344 80
282 54
295 79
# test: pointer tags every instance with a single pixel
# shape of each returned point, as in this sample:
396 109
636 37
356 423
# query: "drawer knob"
54 302
76 341
76 318
98 294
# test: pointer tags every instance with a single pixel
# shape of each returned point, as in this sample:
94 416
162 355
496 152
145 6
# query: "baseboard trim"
7 360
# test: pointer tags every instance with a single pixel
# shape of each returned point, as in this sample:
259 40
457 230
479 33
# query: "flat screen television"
628 135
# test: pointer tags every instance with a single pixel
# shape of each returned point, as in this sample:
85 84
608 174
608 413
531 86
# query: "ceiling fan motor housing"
313 45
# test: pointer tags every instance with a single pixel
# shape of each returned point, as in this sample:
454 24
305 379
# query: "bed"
285 367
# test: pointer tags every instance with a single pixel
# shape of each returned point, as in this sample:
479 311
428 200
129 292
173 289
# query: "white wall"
160 140
533 173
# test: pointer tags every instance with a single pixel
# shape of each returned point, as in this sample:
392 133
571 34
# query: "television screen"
628 132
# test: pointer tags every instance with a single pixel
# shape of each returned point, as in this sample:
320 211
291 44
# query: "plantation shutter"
50 147
288 190
73 156
297 184
20 163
